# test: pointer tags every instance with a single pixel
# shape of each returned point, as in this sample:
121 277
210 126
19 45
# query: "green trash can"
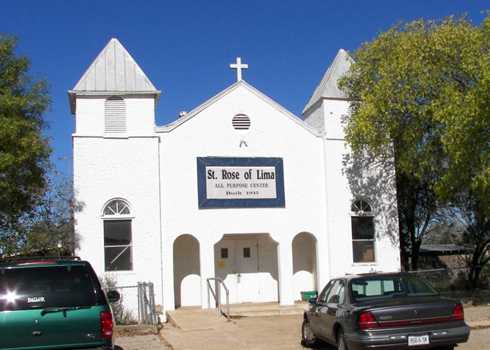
307 295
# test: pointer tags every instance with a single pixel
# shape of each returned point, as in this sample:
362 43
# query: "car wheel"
341 345
308 338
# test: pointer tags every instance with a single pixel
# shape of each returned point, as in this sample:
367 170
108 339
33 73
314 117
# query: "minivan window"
50 286
387 286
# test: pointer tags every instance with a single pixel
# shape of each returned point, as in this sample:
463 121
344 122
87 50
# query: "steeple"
328 87
113 72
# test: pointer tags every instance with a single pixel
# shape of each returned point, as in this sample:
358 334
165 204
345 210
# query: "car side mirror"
312 301
113 296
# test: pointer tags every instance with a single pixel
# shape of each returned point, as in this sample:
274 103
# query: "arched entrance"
248 265
187 271
304 264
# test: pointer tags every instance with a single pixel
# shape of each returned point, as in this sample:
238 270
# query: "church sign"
240 182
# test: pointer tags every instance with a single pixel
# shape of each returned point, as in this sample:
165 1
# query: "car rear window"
51 286
389 286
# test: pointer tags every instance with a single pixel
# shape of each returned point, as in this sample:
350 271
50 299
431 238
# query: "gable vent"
241 122
115 115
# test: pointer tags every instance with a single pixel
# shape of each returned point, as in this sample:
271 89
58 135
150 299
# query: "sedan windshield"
389 286
44 287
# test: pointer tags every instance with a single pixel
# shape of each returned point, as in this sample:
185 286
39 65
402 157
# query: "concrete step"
195 319
266 309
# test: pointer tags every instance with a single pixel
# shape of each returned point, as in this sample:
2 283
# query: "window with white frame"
117 236
363 232
115 115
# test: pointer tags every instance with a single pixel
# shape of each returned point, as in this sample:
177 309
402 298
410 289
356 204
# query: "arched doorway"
247 263
187 271
304 264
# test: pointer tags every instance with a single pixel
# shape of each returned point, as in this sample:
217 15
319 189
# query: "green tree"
50 228
24 152
463 110
420 99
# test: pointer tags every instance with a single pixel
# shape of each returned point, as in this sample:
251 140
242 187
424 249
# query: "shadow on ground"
323 346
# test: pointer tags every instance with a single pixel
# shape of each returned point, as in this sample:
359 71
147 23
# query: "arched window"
117 236
363 233
115 115
360 206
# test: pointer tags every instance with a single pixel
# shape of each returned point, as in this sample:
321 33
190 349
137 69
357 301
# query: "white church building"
238 188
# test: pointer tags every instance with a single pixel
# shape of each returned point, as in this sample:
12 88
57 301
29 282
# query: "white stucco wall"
341 192
272 134
155 171
128 168
315 118
140 115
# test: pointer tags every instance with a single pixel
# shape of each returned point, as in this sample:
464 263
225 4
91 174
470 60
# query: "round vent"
241 122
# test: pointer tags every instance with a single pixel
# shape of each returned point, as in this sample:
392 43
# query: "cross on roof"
238 66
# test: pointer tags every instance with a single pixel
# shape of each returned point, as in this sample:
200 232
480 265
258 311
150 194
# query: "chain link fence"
136 305
453 282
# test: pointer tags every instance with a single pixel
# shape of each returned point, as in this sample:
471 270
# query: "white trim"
126 202
241 83
103 136
117 217
365 264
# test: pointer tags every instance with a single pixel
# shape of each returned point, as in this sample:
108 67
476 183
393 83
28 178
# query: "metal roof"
113 72
443 249
328 85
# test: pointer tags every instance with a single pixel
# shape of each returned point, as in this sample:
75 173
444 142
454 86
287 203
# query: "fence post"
145 303
138 295
152 304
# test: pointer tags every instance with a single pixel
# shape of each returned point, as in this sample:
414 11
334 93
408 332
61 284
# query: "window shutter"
241 122
115 115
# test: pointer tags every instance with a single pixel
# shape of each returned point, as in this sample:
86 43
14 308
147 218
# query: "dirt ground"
260 333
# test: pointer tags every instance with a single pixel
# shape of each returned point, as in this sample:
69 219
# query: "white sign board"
227 182
241 182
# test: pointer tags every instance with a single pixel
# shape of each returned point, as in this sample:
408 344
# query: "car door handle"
37 333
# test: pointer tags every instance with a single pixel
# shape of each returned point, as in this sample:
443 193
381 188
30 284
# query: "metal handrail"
217 295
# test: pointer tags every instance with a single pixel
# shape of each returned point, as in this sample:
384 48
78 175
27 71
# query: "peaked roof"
114 71
234 86
328 87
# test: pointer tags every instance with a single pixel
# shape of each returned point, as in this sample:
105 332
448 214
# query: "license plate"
418 340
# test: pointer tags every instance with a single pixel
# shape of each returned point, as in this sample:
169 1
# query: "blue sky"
185 46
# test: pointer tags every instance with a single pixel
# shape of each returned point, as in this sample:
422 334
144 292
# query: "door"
224 253
247 270
237 263
318 309
328 311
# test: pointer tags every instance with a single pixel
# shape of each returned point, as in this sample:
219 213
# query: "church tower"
324 111
114 97
328 103
116 167
364 191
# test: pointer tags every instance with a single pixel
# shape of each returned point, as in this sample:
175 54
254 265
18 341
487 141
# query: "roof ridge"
176 123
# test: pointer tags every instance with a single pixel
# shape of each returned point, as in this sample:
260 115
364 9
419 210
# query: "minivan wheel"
308 338
341 345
